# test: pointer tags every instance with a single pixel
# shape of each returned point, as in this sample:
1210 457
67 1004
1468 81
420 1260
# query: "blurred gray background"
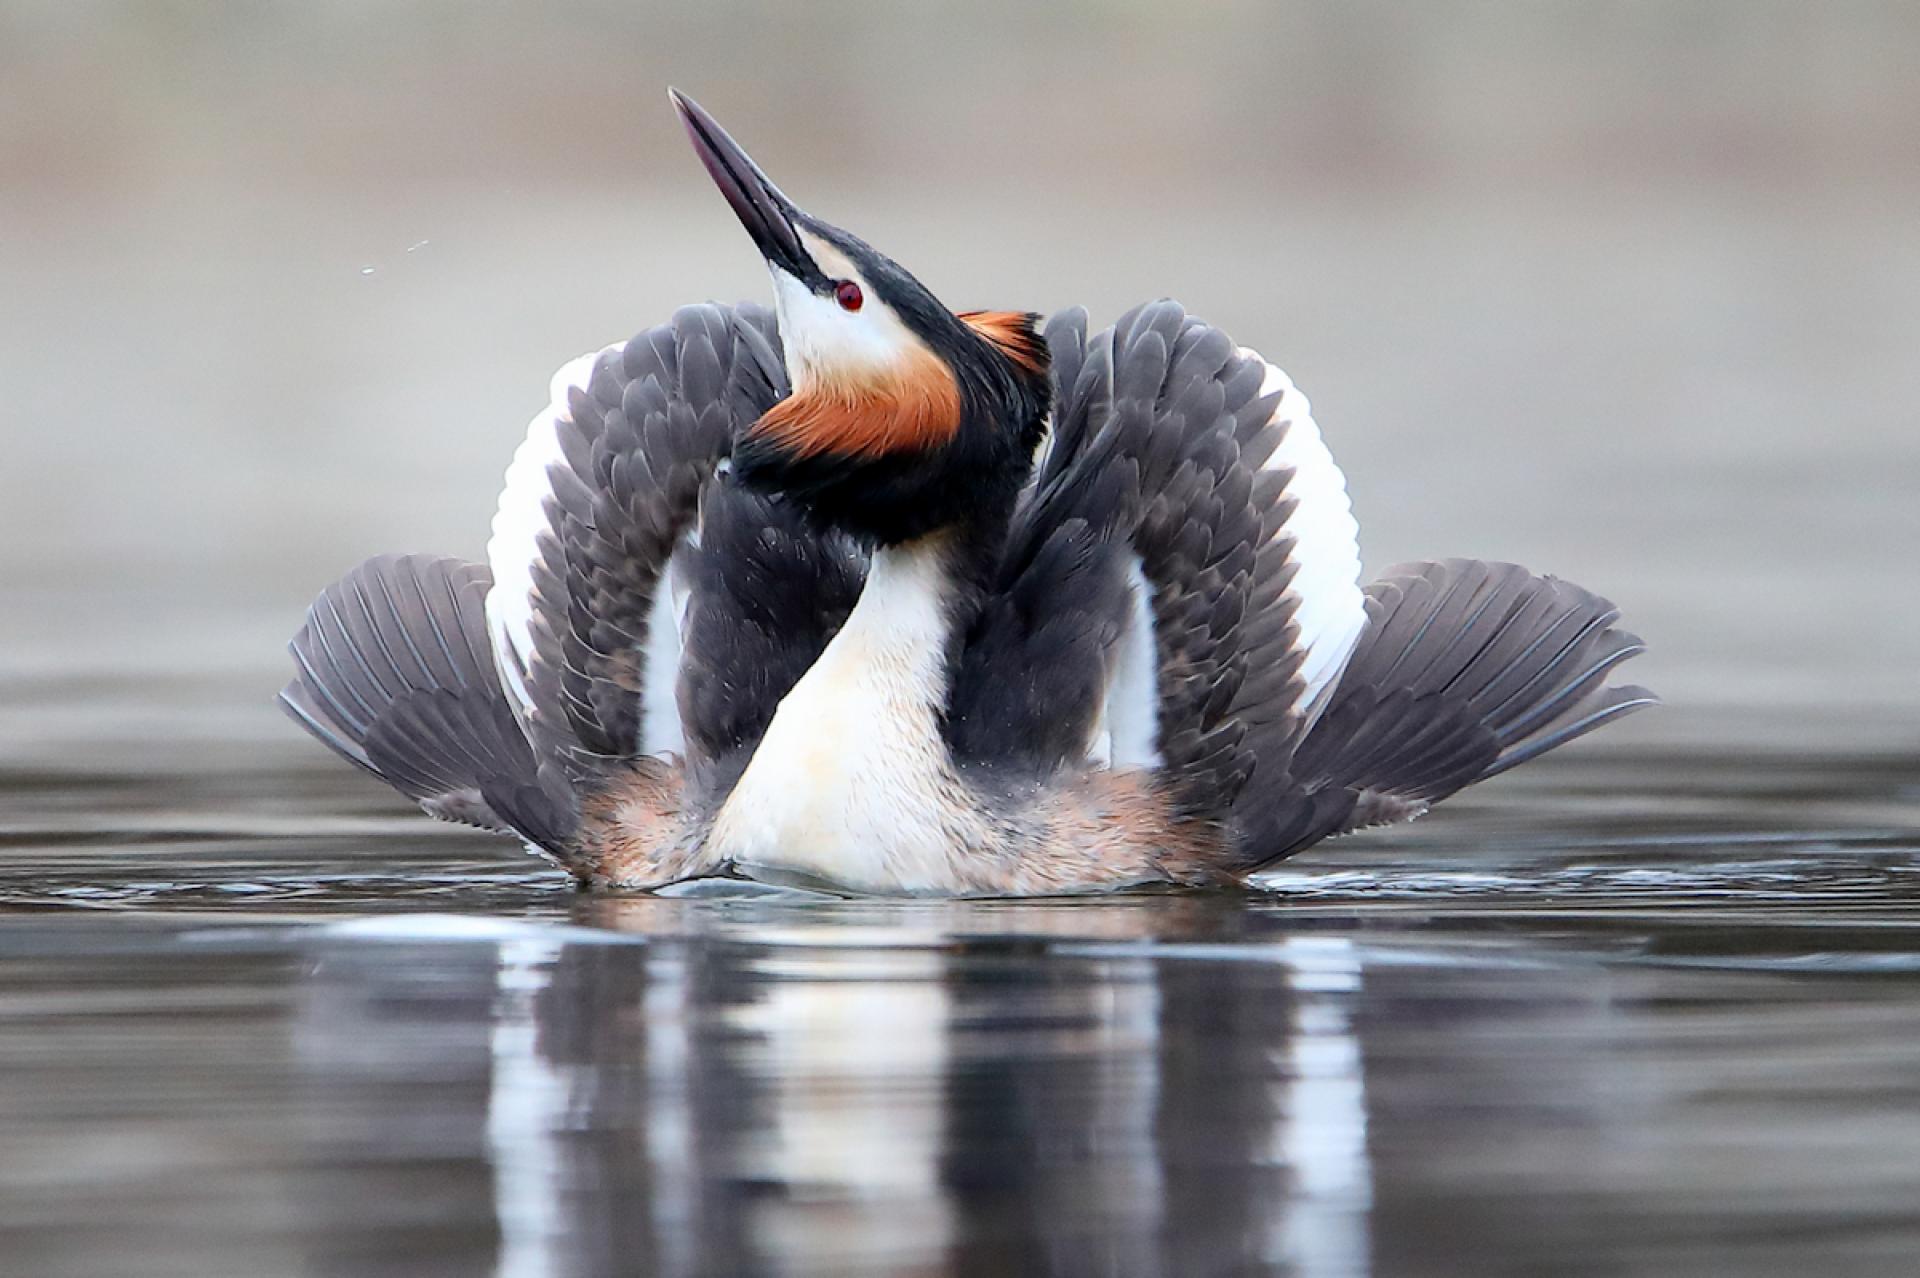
1628 292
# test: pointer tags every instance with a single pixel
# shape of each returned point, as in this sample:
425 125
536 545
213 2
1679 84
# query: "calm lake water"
1651 1010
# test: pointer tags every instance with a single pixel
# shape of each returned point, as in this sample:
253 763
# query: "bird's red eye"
848 294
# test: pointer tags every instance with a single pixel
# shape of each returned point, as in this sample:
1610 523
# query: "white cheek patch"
823 340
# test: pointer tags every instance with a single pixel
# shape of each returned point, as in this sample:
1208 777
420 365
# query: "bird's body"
971 609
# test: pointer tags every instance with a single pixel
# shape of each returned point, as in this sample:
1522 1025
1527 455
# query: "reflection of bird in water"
976 607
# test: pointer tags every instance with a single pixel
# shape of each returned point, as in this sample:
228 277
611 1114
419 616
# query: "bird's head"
904 417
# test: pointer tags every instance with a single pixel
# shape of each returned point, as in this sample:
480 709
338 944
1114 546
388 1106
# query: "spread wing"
1466 669
1180 587
614 542
1180 593
393 673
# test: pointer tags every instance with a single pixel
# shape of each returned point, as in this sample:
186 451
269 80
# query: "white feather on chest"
852 782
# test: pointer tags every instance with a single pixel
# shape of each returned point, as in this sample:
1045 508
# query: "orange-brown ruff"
910 406
1012 334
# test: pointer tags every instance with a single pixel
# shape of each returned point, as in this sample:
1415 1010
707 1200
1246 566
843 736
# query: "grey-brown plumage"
1039 660
1160 447
1466 669
1160 437
639 445
639 451
396 676
764 592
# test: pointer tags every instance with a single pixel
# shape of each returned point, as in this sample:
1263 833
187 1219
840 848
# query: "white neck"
852 782
901 623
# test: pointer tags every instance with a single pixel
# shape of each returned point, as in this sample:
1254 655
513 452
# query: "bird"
864 594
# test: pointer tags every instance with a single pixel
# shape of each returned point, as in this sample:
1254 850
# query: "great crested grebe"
870 594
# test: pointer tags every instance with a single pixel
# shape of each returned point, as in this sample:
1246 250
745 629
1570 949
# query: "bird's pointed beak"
757 202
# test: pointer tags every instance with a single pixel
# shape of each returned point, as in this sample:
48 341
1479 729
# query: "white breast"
852 782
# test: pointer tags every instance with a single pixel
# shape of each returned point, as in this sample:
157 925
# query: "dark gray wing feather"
639 446
1466 669
395 675
1159 433
640 485
766 593
635 453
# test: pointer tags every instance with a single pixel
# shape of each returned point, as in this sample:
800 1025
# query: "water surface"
1596 1020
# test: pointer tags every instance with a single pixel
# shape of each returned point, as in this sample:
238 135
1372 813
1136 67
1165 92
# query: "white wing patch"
660 729
518 521
1131 715
1332 609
